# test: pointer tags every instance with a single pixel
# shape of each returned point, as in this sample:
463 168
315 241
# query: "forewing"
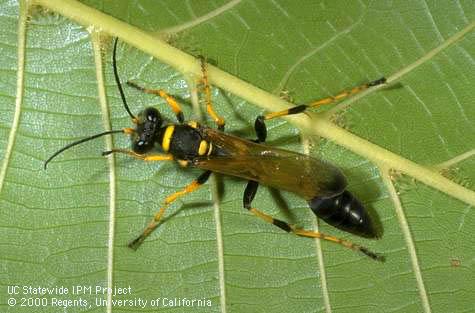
278 168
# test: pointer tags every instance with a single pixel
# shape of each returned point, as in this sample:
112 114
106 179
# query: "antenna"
79 142
117 80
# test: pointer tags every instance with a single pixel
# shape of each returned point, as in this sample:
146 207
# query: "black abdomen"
345 212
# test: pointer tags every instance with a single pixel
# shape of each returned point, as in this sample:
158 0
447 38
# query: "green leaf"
70 225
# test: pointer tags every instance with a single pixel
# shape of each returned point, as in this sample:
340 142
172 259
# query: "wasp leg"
161 93
143 157
134 244
207 90
261 129
344 94
249 195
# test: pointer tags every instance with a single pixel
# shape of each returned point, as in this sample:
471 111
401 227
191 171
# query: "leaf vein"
200 20
455 160
96 42
19 91
303 58
407 236
318 248
405 70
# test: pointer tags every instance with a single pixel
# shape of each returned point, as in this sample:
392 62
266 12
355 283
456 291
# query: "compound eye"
152 115
141 146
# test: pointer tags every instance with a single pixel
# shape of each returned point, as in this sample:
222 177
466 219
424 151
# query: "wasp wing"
282 169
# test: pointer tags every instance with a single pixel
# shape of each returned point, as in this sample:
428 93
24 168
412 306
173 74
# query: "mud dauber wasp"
192 144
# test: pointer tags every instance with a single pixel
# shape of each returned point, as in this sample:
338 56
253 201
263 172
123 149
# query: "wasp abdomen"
345 212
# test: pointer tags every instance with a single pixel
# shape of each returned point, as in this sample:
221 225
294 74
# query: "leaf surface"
56 225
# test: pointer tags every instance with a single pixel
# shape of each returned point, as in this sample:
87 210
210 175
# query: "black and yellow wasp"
192 144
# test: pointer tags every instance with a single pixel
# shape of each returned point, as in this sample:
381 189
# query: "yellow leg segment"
344 94
128 130
143 157
168 200
207 90
161 93
315 234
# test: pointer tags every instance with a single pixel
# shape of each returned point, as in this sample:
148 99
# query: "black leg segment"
261 129
250 193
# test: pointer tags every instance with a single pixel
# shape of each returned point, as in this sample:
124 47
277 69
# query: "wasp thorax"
146 132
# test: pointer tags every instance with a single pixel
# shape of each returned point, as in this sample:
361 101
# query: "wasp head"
146 132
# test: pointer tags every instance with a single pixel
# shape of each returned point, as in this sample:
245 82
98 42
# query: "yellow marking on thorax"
167 137
203 147
210 148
